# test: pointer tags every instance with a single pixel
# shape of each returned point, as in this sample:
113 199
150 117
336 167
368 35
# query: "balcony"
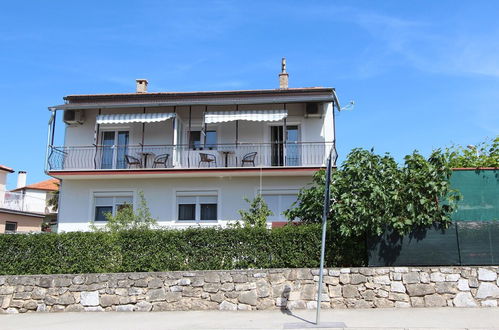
161 157
22 203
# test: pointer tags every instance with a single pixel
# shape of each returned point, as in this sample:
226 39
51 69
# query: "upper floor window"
197 140
110 203
197 206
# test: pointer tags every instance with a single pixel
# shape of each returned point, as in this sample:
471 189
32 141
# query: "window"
197 206
210 141
110 202
10 227
195 139
279 201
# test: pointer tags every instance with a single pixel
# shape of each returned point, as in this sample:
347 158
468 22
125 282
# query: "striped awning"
249 115
133 118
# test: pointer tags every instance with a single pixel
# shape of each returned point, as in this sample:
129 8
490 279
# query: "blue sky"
423 74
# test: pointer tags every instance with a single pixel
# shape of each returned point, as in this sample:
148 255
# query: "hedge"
170 250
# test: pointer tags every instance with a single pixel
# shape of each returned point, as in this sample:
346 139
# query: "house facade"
195 156
24 209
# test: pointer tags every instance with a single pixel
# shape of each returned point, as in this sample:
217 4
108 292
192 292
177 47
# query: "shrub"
257 214
169 250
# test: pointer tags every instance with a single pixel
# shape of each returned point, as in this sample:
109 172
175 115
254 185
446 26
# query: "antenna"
348 107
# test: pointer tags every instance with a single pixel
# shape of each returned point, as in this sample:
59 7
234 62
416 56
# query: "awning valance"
250 115
133 118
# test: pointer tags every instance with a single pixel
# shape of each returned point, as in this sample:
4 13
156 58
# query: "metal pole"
325 213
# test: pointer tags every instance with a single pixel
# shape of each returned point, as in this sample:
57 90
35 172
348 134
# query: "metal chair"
161 160
132 161
207 158
249 158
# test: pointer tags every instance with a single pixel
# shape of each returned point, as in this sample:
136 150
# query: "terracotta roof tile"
49 185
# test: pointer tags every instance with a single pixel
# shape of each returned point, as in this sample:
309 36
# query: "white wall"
76 203
312 129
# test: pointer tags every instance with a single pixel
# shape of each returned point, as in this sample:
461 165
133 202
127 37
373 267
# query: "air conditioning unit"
73 117
313 110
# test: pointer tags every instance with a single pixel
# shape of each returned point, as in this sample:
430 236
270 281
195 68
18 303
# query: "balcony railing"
300 154
23 203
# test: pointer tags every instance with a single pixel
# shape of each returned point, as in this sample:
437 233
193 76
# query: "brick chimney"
141 85
283 76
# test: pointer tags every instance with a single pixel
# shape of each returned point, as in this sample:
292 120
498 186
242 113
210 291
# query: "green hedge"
169 250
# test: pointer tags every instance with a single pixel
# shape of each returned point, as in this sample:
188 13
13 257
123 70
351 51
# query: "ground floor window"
10 227
110 202
279 201
197 205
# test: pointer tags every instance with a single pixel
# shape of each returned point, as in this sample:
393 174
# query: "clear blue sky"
423 74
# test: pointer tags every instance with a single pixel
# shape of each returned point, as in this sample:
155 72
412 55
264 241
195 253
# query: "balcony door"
289 151
114 149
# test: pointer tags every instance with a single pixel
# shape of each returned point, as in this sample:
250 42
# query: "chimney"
21 179
283 76
141 85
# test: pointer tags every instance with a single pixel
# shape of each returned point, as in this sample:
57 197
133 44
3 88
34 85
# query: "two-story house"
194 155
24 209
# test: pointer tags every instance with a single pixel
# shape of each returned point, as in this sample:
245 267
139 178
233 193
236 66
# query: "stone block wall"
252 289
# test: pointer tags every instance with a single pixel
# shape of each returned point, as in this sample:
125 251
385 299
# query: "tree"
484 154
371 193
53 200
257 214
126 218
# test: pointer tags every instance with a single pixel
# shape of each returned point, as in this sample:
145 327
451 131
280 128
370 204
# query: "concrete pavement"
389 318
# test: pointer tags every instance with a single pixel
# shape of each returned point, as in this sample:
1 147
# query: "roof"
49 185
6 169
259 96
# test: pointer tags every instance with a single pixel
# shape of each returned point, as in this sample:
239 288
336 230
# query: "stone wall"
252 289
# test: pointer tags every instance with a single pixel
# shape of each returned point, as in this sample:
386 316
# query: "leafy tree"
484 154
127 219
257 214
371 193
53 200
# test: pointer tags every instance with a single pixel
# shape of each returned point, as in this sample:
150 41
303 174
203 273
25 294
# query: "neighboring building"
18 212
38 195
195 155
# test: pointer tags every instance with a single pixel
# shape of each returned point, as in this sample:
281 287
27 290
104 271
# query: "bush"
170 250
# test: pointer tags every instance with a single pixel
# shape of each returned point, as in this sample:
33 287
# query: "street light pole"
325 213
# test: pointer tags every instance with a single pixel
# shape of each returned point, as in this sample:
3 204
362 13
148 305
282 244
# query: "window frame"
10 231
202 140
198 201
115 204
279 193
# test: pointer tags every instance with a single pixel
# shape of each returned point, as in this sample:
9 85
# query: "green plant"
53 200
257 214
126 218
370 193
139 250
484 154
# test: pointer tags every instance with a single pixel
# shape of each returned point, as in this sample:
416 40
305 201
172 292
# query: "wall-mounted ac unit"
313 109
73 117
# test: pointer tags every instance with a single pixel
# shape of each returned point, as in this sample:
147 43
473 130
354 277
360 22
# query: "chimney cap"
283 76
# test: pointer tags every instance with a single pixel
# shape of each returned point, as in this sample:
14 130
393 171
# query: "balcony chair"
249 158
132 161
161 160
207 158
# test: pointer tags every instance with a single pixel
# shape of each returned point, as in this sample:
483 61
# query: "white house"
194 155
25 208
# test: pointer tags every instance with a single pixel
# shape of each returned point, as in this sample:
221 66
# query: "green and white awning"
248 115
133 118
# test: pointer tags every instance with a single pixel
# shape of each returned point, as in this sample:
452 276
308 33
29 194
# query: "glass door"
292 146
114 149
289 151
